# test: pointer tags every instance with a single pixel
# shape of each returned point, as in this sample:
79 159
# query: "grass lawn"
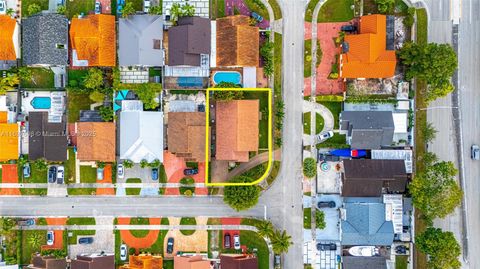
41 221
76 7
336 11
81 221
77 102
307 218
273 172
75 233
258 171
277 65
137 4
307 56
70 166
26 3
336 109
41 78
401 262
36 176
369 6
337 141
255 6
253 240
277 12
27 249
307 124
187 221
319 123
263 124
133 191
168 264
88 174
139 221
76 75
309 11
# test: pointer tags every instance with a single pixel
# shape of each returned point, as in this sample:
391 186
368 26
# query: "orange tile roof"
9 134
186 133
367 56
94 39
3 116
96 141
190 262
236 129
7 48
144 261
237 42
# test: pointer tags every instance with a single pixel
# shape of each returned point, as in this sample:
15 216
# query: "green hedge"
329 98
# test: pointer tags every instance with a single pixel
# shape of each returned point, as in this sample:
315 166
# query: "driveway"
197 242
58 234
107 178
9 175
230 221
103 240
135 242
174 167
145 174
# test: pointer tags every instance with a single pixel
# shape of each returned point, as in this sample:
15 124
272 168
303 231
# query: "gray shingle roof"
351 262
40 35
368 129
136 40
365 225
46 140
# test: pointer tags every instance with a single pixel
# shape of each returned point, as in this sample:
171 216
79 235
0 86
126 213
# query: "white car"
323 136
123 252
60 174
120 171
50 238
98 7
475 154
236 242
100 173
3 7
146 6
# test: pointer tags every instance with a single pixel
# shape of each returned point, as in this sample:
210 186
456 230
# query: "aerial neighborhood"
146 134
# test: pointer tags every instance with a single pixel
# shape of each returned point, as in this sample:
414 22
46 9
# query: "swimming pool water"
41 102
232 77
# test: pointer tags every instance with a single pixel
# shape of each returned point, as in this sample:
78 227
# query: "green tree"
61 9
94 79
281 241
143 163
227 85
147 96
128 10
34 240
7 224
154 164
385 6
33 9
155 10
106 112
434 63
175 12
128 164
320 219
97 97
40 164
241 197
188 10
266 51
265 228
309 167
435 191
10 12
227 95
24 73
409 20
441 247
100 164
429 132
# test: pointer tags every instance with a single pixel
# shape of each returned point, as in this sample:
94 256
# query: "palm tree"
128 10
265 228
12 80
10 12
4 86
175 12
25 73
34 240
281 241
188 10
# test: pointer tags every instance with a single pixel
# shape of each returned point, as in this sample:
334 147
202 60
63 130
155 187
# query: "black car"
52 174
226 240
330 246
85 240
329 204
190 171
170 245
277 261
348 28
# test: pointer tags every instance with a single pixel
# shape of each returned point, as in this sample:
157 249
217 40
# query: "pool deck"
56 109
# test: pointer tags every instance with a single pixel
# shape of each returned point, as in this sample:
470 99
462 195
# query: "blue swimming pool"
227 76
41 102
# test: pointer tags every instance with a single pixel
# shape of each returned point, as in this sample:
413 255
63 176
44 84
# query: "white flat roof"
400 120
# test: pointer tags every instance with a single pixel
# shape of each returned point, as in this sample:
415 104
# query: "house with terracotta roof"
93 41
9 41
237 43
9 133
47 262
238 261
237 131
95 141
186 135
369 54
93 261
144 261
190 262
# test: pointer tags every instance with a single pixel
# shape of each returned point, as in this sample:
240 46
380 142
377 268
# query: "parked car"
50 238
98 7
60 174
323 136
120 4
190 171
26 170
327 204
256 17
330 246
3 7
85 240
475 152
100 173
120 171
154 173
170 242
236 241
26 222
277 261
146 6
348 28
226 240
52 174
123 252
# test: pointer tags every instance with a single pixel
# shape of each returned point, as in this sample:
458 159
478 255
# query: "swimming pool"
41 102
227 76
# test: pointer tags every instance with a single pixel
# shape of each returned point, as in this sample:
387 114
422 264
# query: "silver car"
123 252
475 154
323 136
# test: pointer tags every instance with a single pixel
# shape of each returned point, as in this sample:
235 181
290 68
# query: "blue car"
154 173
256 17
26 170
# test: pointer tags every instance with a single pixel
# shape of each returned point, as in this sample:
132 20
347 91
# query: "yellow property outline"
207 140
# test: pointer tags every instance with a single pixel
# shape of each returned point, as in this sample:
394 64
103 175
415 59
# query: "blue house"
365 224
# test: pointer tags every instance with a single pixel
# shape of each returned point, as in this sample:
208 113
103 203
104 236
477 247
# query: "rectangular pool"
41 102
